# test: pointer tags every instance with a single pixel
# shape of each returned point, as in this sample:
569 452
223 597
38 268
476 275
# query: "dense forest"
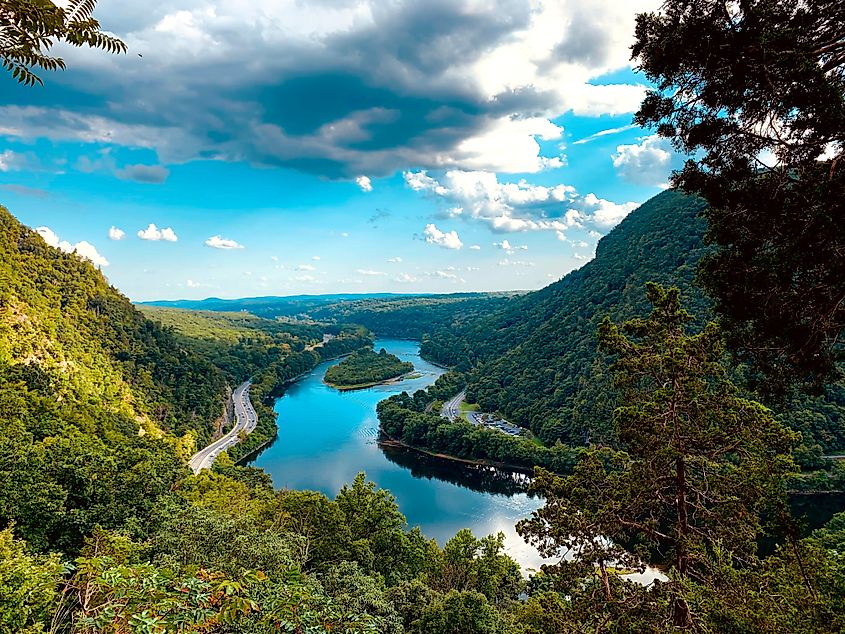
238 343
365 368
106 530
535 359
412 317
665 429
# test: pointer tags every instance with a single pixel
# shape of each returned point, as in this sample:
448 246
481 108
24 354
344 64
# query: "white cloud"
155 234
369 272
405 278
604 213
511 207
447 240
506 246
218 242
344 234
396 260
116 234
194 284
83 249
10 161
474 75
364 183
602 133
316 258
474 247
305 267
305 278
649 162
48 235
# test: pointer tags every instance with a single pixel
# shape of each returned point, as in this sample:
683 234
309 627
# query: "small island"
366 368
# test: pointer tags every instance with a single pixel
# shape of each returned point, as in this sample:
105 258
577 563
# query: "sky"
282 147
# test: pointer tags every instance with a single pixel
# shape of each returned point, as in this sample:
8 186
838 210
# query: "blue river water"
326 437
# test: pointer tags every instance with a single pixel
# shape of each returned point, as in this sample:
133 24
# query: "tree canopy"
754 90
30 28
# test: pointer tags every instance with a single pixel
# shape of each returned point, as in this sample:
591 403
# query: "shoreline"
398 444
363 386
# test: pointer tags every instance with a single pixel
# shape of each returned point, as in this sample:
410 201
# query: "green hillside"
92 396
535 359
66 333
240 344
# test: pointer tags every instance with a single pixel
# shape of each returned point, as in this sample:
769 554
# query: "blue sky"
348 146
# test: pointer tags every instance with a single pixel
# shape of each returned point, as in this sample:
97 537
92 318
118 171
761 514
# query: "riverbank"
363 386
398 444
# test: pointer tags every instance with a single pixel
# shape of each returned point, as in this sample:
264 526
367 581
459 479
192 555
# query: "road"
245 421
452 408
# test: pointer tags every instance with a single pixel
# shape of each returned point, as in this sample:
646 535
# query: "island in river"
366 368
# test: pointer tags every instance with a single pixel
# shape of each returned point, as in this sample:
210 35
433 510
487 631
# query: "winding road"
245 421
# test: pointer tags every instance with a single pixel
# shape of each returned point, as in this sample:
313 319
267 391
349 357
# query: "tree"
755 90
30 28
701 461
28 586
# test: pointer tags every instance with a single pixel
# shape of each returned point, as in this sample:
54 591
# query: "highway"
245 421
452 408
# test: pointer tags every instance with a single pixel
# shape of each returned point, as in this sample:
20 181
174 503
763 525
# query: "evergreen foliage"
754 90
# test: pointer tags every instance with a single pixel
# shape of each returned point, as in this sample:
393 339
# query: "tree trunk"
681 612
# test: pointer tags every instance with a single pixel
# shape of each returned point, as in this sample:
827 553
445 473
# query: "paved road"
245 421
452 408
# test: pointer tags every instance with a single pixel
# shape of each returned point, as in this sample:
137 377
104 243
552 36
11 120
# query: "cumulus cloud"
217 242
364 183
316 258
475 247
405 278
521 206
154 234
305 267
447 240
116 234
152 174
508 248
648 162
396 260
438 85
83 249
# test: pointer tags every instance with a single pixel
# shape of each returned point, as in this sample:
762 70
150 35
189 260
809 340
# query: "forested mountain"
412 316
66 334
93 397
535 359
270 306
239 343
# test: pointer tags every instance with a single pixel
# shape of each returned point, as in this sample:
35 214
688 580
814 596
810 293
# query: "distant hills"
290 305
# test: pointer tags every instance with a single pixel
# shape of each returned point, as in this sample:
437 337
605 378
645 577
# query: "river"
326 437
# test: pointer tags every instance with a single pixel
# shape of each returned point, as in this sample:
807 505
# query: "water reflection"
326 437
474 477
